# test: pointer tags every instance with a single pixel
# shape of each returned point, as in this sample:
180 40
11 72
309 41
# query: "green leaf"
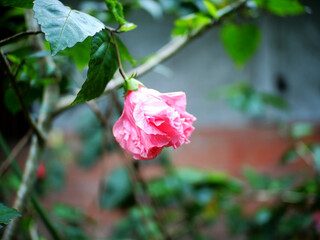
116 189
301 129
116 9
128 26
17 3
189 23
7 214
289 156
62 26
211 8
102 66
68 213
255 179
275 101
11 100
282 7
240 41
80 53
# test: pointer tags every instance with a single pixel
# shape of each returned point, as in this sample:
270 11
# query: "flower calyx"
131 84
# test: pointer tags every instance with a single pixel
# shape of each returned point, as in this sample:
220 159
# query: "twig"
24 108
34 199
161 55
51 94
140 200
148 198
15 151
97 112
15 37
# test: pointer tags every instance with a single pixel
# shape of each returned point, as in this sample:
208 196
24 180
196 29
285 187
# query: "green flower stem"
123 74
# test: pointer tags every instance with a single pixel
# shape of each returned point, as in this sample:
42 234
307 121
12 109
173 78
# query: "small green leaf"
282 7
240 41
17 3
116 9
102 66
211 8
68 213
7 214
289 156
127 26
189 23
62 26
275 101
301 129
256 180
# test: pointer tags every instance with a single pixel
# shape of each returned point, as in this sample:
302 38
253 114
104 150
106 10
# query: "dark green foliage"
69 220
7 214
243 97
102 66
62 26
240 41
17 3
282 7
139 224
80 53
12 102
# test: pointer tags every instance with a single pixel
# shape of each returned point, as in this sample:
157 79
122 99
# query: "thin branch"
19 35
150 200
34 199
6 66
123 74
98 113
51 95
160 56
15 152
140 200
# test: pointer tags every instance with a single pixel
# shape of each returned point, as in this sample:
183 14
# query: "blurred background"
252 168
